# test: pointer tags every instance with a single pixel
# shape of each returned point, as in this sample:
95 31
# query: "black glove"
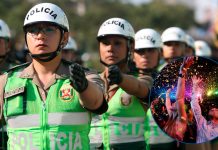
114 75
78 78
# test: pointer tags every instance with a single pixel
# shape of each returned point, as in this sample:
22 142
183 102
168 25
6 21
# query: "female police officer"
44 102
122 126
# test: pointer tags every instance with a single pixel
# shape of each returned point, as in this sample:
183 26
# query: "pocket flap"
14 92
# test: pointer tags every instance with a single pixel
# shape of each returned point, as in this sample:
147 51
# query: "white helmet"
71 45
202 49
47 12
173 34
116 26
147 38
190 41
4 30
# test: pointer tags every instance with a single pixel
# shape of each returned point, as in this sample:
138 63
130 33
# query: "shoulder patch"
14 92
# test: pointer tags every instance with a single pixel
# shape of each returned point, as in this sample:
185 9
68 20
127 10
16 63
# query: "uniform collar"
28 72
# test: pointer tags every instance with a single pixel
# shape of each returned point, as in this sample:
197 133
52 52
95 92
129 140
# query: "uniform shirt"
206 130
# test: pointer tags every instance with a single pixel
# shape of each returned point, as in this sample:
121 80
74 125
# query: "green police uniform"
122 123
59 122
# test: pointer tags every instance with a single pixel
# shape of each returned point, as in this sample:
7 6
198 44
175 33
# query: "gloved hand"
78 78
114 75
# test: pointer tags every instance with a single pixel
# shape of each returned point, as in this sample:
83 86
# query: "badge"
126 99
66 92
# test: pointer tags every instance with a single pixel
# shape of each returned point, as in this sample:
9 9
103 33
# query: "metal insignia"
66 92
126 99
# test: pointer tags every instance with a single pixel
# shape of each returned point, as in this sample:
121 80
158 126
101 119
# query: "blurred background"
196 17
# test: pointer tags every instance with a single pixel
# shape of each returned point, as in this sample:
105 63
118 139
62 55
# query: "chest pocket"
14 101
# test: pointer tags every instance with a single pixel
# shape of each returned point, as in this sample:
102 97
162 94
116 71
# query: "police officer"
70 51
174 45
148 45
122 126
5 63
5 36
202 49
47 103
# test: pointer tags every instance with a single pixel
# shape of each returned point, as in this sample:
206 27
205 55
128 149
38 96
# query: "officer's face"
146 58
173 49
42 38
113 49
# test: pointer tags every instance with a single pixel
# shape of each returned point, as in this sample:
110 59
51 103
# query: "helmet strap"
46 57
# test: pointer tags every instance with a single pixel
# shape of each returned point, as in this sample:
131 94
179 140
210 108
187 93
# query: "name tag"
14 92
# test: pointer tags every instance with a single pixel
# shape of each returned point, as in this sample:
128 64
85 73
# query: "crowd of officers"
51 101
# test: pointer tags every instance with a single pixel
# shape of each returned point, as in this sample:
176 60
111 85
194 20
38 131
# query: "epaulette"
18 67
